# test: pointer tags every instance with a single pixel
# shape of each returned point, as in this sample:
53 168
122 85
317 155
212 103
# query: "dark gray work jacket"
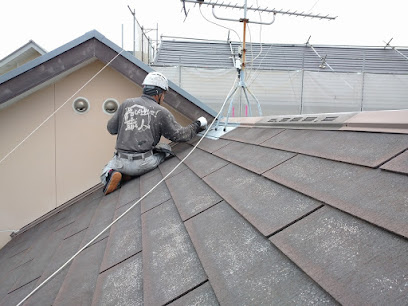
140 122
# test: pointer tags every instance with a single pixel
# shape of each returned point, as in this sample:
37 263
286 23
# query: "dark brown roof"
262 216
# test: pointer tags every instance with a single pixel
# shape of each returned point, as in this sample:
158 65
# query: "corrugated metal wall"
294 92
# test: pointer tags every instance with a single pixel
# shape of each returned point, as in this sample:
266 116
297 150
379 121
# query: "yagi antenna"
259 9
240 60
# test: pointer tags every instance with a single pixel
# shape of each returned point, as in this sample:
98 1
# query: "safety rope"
123 214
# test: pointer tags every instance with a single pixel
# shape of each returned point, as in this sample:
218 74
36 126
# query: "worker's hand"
201 124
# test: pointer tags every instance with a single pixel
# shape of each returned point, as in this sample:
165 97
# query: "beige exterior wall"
27 180
66 155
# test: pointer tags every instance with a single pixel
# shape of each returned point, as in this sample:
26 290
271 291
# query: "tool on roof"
240 57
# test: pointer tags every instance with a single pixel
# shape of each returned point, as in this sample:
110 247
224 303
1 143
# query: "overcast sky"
53 23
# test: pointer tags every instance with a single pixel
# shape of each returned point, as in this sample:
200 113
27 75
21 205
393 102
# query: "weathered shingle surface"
261 216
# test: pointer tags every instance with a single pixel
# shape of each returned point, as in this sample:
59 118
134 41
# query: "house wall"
64 157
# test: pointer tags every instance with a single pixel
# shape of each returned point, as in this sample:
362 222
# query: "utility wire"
50 116
120 217
239 38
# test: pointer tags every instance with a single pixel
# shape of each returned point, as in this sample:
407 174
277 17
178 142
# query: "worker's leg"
139 167
111 176
114 164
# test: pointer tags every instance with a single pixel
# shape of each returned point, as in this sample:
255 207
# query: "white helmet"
156 79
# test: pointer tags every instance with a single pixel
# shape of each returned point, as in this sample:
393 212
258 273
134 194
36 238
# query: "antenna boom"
264 10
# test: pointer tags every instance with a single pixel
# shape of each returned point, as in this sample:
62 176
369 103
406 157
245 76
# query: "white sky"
54 23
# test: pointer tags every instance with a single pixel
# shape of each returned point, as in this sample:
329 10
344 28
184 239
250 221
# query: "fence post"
363 83
303 78
179 71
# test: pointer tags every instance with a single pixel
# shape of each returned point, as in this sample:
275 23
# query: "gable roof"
264 215
20 56
43 70
217 54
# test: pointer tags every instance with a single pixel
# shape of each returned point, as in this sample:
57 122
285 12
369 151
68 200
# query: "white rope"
50 116
120 217
256 71
6 231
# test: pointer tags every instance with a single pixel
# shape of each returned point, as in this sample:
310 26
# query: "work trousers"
133 167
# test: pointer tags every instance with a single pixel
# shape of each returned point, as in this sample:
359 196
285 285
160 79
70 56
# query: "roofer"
139 124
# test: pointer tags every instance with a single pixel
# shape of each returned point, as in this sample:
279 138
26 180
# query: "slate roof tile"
191 201
398 164
361 148
252 135
158 196
383 202
41 253
102 217
10 277
117 286
125 237
242 154
16 296
80 282
203 295
84 218
243 267
129 192
356 262
208 144
266 205
200 161
169 165
323 224
47 294
170 264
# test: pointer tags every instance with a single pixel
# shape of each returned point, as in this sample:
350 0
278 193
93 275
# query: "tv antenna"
240 60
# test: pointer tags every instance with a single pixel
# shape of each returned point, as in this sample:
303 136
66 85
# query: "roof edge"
30 43
94 34
58 209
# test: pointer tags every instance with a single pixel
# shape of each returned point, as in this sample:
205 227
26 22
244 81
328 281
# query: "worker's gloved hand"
201 124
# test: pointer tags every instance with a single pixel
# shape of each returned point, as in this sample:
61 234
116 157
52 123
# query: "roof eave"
49 66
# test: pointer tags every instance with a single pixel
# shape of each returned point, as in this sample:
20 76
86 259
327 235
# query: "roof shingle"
261 216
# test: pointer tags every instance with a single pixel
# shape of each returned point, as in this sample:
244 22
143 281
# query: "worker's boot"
112 181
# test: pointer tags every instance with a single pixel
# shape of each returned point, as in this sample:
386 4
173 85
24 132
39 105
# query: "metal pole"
134 34
142 43
148 50
179 71
134 30
157 36
303 80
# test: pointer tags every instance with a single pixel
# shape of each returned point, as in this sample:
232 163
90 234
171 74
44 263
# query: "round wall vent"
110 106
81 105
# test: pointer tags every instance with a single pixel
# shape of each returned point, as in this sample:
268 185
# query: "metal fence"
144 47
283 92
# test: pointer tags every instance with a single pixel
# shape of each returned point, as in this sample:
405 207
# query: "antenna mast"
240 61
